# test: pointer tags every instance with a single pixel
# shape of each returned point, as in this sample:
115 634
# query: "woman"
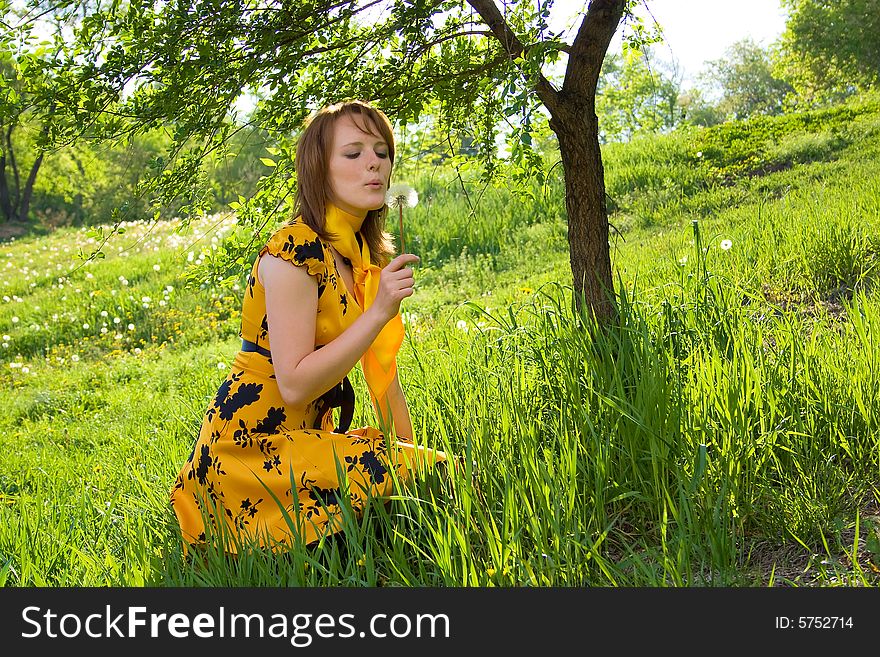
322 296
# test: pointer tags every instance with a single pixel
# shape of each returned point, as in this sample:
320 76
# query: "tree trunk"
577 128
5 200
573 119
28 190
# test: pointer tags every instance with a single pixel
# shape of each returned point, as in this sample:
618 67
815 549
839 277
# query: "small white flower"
146 299
104 313
221 366
25 370
118 336
401 195
116 320
15 320
683 260
103 331
137 350
131 327
89 275
74 358
85 326
461 325
699 153
726 244
7 338
157 267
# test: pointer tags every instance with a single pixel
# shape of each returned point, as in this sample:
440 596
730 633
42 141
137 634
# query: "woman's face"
359 168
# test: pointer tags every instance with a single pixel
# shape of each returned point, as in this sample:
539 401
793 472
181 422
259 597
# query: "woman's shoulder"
299 244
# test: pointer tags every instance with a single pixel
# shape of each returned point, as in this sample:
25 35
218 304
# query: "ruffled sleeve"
299 245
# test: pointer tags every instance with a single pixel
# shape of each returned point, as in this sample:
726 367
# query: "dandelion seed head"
726 244
401 195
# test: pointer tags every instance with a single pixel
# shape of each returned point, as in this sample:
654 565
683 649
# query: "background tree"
831 49
745 81
141 65
24 132
637 93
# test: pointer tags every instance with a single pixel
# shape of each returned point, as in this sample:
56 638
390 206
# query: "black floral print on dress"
274 419
247 394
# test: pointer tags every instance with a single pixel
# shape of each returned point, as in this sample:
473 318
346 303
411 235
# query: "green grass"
726 433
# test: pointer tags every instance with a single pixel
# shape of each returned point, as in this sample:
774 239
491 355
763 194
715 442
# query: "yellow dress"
270 471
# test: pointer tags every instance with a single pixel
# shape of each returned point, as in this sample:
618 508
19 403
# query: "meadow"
725 433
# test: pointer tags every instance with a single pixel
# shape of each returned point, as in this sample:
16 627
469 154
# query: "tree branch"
590 45
513 47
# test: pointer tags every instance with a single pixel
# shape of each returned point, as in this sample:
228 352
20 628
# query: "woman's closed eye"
354 156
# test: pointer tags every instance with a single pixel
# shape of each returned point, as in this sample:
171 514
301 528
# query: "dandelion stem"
402 245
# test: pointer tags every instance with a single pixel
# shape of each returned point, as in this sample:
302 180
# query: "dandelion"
7 338
683 261
75 358
85 326
15 320
726 244
157 267
137 350
490 572
118 336
25 370
116 320
104 313
400 196
362 562
699 153
131 327
461 325
221 366
103 331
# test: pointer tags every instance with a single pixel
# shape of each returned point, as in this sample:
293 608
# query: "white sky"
696 31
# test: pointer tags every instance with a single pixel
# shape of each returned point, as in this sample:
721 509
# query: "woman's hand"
395 284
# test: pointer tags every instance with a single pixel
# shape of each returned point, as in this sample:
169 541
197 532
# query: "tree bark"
577 129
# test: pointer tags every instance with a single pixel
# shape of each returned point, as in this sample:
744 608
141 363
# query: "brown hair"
312 183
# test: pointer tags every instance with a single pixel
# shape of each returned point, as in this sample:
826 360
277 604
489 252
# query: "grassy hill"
725 434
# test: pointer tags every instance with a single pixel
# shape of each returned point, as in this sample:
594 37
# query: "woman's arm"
302 372
399 410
